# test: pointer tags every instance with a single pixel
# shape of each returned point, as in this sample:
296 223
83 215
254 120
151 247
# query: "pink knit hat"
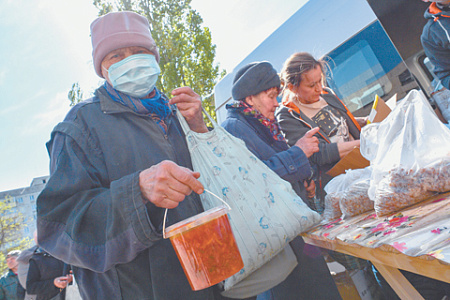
117 30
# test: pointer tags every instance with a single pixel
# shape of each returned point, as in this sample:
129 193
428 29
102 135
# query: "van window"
367 65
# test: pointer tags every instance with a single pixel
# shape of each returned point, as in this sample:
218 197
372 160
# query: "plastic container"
206 248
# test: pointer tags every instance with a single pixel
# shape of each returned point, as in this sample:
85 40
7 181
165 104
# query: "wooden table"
417 239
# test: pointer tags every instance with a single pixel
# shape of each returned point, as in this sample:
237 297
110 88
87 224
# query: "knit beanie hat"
13 253
117 30
253 79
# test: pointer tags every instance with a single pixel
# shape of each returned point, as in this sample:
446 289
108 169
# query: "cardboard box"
380 110
353 160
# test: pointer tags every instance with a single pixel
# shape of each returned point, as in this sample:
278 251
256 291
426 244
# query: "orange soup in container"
206 248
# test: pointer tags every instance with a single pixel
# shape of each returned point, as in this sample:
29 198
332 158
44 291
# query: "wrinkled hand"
310 188
190 106
62 281
309 143
167 184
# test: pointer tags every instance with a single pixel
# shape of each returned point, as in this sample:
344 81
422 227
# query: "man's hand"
167 184
62 281
309 143
190 106
310 188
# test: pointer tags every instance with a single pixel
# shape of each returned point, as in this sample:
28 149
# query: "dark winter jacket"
436 42
92 215
8 286
291 164
295 124
42 272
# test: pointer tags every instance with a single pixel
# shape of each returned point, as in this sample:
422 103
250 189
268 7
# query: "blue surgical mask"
135 75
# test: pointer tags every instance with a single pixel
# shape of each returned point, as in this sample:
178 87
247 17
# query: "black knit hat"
253 79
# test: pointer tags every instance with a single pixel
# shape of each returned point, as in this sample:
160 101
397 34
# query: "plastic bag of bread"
356 200
412 158
335 191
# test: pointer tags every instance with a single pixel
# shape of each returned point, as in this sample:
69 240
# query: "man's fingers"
312 132
166 184
183 90
187 178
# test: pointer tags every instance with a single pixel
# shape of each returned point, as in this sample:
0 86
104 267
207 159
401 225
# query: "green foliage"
185 47
75 95
10 230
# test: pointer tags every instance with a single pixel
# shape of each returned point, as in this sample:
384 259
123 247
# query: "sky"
45 47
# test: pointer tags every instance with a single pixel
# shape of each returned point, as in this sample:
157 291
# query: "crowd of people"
33 274
120 158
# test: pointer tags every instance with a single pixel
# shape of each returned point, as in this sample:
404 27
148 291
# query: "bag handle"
205 190
185 125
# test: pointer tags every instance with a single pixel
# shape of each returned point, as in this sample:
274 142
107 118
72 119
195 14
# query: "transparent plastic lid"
196 220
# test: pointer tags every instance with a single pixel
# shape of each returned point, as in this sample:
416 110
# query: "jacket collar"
434 12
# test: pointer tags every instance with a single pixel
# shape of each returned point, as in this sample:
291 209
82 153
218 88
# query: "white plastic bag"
335 191
347 194
356 199
266 213
412 158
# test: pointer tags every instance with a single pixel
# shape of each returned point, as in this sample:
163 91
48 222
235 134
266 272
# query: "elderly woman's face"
310 87
120 54
11 262
265 102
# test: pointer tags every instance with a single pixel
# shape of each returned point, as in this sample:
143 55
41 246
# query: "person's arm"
82 218
294 129
36 286
346 147
439 57
90 221
291 165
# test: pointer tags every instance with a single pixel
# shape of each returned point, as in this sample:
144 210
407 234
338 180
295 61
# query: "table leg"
398 282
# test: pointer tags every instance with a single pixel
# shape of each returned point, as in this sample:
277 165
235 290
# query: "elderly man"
9 281
118 160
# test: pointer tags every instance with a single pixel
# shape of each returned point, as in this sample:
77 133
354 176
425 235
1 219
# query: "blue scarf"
157 106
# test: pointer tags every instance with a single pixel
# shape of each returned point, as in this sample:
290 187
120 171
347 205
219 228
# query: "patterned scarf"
156 107
272 125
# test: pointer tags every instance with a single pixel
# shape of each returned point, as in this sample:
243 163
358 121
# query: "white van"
374 47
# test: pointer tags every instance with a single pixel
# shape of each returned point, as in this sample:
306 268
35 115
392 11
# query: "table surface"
420 232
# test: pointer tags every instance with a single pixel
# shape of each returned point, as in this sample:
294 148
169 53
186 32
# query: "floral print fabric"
423 229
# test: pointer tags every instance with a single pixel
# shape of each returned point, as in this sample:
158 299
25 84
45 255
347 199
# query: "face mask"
135 75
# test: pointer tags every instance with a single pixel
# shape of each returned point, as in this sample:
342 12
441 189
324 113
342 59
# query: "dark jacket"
435 40
92 215
42 271
311 278
291 164
8 286
294 124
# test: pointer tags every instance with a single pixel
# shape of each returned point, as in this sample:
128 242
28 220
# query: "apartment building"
22 203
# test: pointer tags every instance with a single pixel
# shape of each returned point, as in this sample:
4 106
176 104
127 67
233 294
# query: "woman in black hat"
251 118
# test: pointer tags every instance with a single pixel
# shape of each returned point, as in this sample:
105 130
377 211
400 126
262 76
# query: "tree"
75 95
10 230
185 47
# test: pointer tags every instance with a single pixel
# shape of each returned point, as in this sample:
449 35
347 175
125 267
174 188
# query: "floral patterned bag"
266 213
